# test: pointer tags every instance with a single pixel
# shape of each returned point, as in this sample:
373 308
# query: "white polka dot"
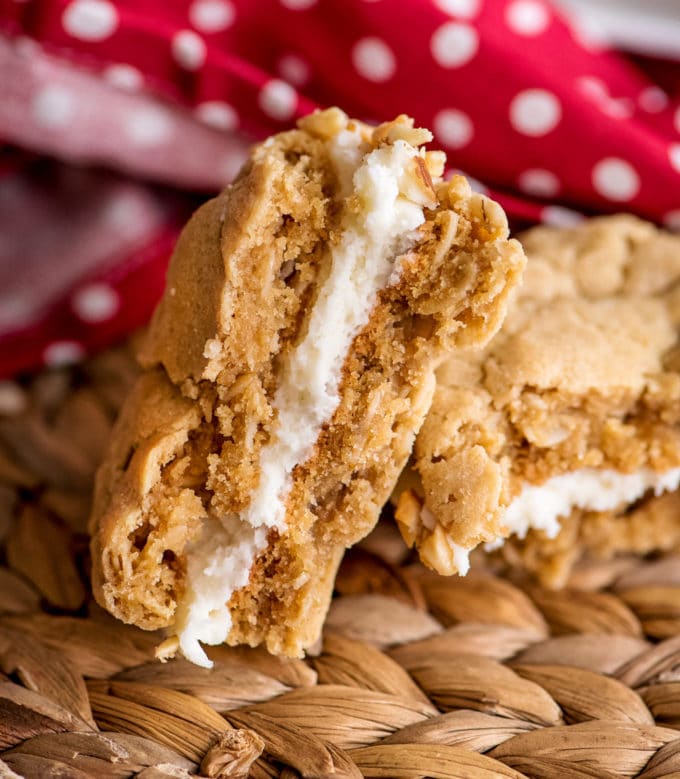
124 212
188 49
676 119
615 179
90 20
538 182
95 303
148 126
373 59
212 15
592 87
527 17
294 69
63 353
653 99
297 5
674 156
535 112
454 44
558 216
232 164
278 100
453 128
597 92
476 185
124 76
218 114
53 106
617 108
466 9
672 220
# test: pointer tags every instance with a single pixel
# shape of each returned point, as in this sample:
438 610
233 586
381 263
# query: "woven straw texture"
417 676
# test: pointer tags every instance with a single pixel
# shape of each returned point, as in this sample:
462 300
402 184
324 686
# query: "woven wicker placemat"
417 675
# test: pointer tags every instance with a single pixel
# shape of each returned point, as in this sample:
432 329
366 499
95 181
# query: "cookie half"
569 417
288 367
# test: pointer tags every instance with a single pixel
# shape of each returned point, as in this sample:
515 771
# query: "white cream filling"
362 263
540 507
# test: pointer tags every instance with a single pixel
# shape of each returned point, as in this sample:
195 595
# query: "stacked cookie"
288 368
561 439
292 362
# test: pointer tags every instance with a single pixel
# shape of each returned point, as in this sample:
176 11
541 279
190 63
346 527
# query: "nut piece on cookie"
288 368
568 418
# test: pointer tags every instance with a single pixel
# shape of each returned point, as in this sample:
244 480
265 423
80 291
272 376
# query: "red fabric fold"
553 124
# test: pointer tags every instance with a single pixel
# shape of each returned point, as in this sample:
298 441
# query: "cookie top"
581 380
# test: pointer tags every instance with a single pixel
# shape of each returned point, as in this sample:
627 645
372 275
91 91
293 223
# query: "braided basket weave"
417 675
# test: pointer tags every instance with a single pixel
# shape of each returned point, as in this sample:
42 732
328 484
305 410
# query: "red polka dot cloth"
113 111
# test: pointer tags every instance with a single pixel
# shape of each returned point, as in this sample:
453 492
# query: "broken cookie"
288 368
570 416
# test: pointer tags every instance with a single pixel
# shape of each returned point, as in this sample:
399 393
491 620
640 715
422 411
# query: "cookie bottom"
650 526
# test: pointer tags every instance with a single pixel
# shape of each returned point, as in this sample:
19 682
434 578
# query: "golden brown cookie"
569 416
288 368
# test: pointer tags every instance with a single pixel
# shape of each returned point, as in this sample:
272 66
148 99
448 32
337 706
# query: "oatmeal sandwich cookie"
563 432
288 368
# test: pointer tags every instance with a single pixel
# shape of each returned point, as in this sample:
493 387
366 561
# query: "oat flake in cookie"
563 435
288 368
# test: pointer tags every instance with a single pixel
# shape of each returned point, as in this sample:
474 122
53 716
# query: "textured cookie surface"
568 417
288 368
